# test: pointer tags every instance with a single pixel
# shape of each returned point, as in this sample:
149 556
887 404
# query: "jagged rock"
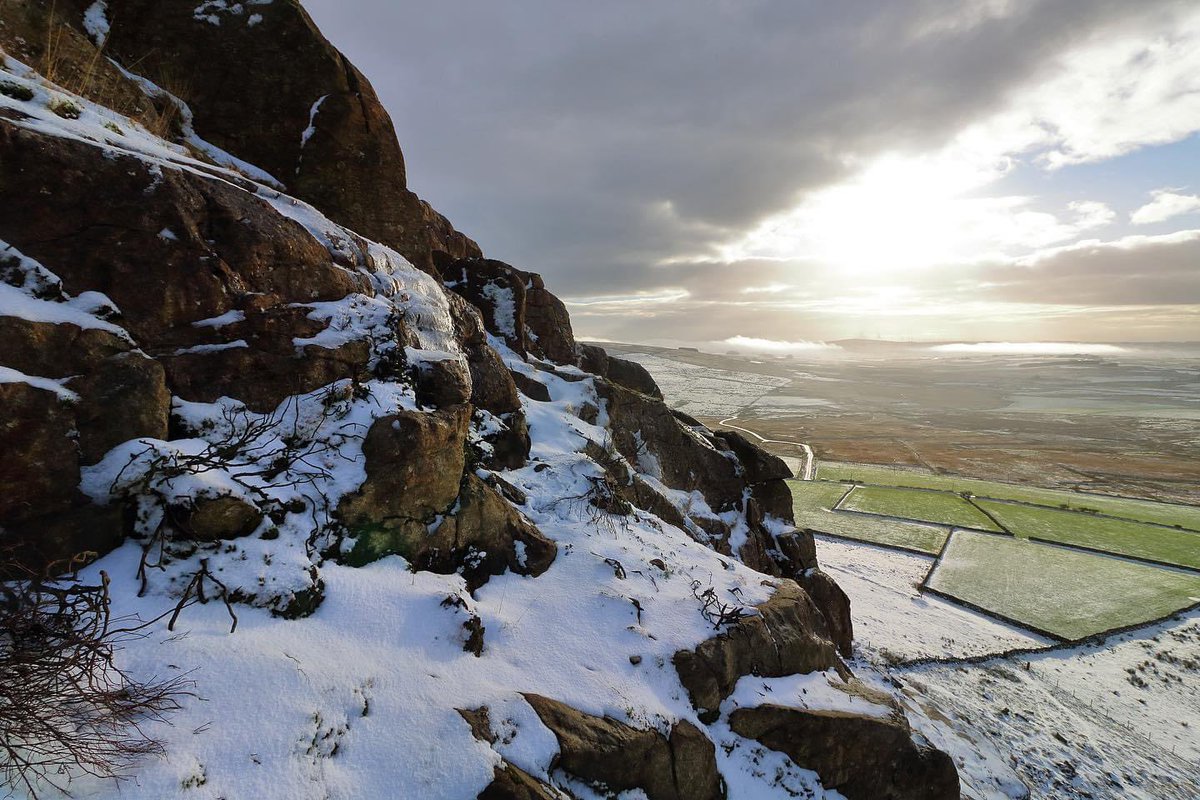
341 155
533 389
515 306
834 605
42 514
758 464
798 549
498 291
863 757
40 467
228 251
494 388
123 397
605 751
510 445
629 374
414 463
593 359
643 425
484 536
548 323
447 382
632 375
511 783
788 636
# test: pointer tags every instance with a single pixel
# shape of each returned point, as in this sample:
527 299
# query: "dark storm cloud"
590 140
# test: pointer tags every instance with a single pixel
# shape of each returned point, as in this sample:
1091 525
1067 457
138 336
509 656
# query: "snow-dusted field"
700 390
1118 720
1114 720
894 622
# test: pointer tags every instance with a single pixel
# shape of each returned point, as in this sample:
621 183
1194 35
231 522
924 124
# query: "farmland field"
1140 510
812 501
1151 542
1067 593
941 508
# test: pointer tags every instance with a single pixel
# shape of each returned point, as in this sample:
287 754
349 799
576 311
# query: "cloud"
1132 270
1029 348
1165 205
625 148
774 346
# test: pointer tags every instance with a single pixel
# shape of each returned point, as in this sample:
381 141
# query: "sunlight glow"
908 213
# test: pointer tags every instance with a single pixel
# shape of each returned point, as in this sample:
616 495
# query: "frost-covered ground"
1117 720
894 622
700 390
1114 720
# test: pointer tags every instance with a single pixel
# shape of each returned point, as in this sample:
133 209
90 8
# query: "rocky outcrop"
787 636
316 126
601 750
516 307
834 606
863 757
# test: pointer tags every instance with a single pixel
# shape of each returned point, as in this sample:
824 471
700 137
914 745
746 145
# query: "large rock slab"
863 757
787 636
602 750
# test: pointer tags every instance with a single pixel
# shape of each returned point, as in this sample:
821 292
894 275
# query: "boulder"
414 463
863 757
834 606
633 375
787 636
211 519
484 536
511 783
621 758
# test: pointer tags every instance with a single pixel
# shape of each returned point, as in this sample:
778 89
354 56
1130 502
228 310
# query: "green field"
812 501
1141 510
1067 593
943 508
1118 536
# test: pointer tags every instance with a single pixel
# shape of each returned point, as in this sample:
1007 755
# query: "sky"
794 171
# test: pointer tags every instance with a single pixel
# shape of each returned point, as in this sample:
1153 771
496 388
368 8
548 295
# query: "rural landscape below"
996 514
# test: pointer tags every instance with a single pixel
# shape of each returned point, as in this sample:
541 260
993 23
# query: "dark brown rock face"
549 325
414 466
789 636
516 306
227 251
315 124
864 758
511 783
603 750
834 606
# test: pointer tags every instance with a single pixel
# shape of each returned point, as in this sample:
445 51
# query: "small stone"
635 660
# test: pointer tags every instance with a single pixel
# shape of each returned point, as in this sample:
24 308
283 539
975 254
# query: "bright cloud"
1029 348
1165 205
775 346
